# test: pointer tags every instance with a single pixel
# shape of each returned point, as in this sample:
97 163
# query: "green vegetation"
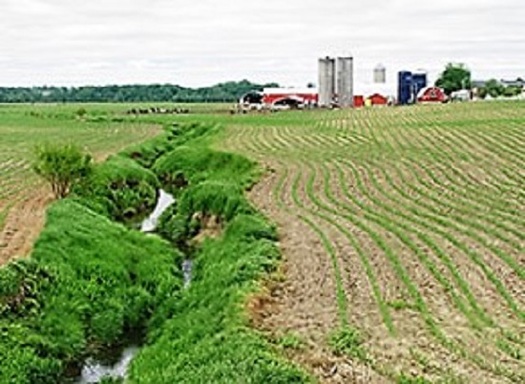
347 341
454 78
119 188
495 89
24 127
91 282
413 216
88 283
61 166
223 92
208 335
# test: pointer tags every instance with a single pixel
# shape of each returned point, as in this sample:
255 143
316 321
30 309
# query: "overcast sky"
202 42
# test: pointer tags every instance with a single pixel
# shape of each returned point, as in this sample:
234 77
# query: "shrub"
61 166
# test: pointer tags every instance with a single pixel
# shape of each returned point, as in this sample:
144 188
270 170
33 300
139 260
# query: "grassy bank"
207 338
88 282
91 281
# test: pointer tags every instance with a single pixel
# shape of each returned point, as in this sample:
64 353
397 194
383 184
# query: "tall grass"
88 281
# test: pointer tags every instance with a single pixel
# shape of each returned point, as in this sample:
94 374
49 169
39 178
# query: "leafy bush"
61 166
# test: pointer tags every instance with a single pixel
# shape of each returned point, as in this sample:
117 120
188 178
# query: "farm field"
23 196
402 229
405 226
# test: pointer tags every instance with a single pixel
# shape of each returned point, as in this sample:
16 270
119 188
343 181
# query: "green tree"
482 92
494 88
61 166
454 78
511 91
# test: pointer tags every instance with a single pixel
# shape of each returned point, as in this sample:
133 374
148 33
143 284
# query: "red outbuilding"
359 101
378 99
431 95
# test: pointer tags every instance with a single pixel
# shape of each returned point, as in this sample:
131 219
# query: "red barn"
377 99
272 96
431 95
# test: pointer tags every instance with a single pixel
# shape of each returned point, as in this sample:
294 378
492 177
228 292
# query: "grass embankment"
207 338
87 283
90 280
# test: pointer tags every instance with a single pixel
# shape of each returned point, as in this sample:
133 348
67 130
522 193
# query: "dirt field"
405 224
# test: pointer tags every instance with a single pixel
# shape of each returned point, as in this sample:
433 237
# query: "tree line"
223 92
457 76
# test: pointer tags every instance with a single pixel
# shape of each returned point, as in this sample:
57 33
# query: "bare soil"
23 224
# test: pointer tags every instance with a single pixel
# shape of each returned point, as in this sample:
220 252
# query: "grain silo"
326 81
380 74
405 88
345 81
419 81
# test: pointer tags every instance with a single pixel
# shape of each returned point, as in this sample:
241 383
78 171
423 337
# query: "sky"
204 42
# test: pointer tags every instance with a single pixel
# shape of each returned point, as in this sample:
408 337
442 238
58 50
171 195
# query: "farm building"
359 101
377 99
290 96
431 95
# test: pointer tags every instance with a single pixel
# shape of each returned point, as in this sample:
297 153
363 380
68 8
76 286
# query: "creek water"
164 202
187 266
93 370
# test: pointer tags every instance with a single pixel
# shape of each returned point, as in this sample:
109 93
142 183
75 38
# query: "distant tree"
223 92
494 88
482 92
512 91
61 166
454 78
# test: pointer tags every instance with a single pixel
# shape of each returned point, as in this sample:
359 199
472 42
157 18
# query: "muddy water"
164 202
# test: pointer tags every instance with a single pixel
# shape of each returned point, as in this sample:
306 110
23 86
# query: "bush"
61 166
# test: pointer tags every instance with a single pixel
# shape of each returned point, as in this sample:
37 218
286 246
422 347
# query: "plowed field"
406 224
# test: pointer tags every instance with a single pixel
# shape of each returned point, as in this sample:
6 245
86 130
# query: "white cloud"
203 42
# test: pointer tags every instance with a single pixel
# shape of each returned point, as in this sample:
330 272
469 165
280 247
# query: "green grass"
88 282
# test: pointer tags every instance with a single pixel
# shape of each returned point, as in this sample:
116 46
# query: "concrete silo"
326 81
345 81
380 74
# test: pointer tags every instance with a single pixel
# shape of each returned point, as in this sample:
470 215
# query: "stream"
95 370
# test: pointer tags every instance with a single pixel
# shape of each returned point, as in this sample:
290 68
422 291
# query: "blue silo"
404 88
419 81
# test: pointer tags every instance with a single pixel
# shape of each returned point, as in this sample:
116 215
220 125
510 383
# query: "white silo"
345 81
380 74
326 81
